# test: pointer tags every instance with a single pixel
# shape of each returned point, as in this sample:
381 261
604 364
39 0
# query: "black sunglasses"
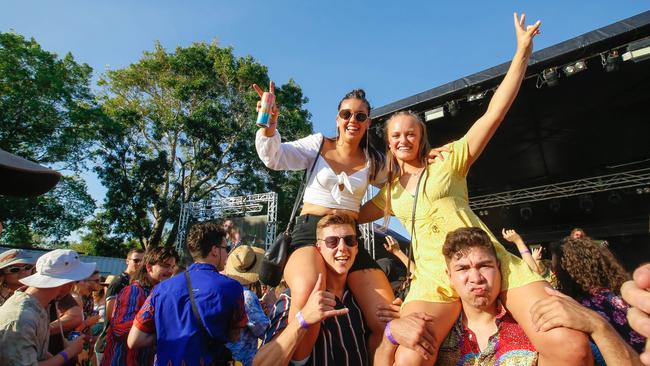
16 269
358 116
136 260
333 241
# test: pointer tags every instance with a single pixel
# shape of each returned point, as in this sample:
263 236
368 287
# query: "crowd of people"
463 299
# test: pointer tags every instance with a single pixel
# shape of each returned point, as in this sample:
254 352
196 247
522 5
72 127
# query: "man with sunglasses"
15 264
133 262
332 310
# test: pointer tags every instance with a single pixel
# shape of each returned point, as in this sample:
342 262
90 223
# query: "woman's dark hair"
369 143
152 257
582 265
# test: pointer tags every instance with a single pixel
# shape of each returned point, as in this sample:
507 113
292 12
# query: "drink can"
74 335
264 115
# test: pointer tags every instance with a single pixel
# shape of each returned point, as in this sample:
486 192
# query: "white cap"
58 267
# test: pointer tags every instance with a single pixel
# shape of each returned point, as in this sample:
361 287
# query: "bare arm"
483 129
69 320
139 339
281 348
273 123
392 246
72 350
513 237
369 212
560 310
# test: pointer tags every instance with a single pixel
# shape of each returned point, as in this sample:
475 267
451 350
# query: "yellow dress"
443 206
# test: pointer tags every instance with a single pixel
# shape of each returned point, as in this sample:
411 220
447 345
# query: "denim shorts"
304 234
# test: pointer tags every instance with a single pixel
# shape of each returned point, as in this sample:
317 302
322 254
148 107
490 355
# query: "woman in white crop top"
340 178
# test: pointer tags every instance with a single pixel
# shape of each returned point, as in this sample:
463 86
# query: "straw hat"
58 267
15 256
244 264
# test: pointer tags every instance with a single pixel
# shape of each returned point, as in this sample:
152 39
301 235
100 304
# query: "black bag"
275 257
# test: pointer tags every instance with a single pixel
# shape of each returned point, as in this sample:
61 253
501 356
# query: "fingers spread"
259 90
271 87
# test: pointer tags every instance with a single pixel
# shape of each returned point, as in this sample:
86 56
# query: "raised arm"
483 129
513 237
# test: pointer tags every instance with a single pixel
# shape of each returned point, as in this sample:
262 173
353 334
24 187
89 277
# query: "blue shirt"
168 313
245 350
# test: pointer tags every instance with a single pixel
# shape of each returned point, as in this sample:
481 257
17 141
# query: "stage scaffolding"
227 207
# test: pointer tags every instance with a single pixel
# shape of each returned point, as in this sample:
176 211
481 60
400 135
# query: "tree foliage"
181 128
46 113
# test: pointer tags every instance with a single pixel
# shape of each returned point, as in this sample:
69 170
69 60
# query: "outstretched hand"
636 292
320 305
275 111
391 245
525 33
511 235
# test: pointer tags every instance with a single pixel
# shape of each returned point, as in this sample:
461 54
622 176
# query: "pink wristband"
522 252
301 320
389 335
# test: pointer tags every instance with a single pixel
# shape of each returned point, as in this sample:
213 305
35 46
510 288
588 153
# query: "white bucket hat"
58 267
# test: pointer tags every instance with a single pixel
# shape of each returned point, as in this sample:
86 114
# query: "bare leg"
370 288
559 346
301 274
444 314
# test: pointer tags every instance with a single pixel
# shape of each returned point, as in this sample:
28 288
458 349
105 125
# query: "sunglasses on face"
333 241
135 260
16 269
346 114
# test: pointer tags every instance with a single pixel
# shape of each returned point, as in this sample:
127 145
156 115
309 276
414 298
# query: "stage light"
453 107
611 62
550 77
483 213
435 113
574 68
526 212
614 198
476 96
638 51
586 203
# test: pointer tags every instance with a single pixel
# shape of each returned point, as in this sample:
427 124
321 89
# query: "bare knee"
301 274
574 345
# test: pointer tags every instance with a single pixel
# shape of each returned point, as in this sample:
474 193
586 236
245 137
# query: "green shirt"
24 330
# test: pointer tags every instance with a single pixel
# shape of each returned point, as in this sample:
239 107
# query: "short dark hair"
459 241
202 237
134 250
153 256
335 219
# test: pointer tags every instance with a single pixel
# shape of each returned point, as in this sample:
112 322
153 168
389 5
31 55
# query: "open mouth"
342 259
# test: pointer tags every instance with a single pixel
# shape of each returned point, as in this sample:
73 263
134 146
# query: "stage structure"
368 229
228 207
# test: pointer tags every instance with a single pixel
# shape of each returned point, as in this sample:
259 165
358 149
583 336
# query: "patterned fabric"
168 313
5 293
88 306
113 290
245 350
444 208
509 346
127 304
613 308
24 330
341 340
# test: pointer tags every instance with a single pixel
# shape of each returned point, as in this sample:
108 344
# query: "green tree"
97 239
181 127
46 113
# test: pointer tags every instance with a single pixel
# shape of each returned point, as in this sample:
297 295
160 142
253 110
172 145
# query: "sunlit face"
133 262
404 136
11 274
228 225
476 277
341 258
161 271
350 129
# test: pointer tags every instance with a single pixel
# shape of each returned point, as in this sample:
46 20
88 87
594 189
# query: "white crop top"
324 187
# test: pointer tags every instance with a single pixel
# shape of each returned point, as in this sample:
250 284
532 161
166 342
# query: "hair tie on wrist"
389 335
65 356
301 320
522 252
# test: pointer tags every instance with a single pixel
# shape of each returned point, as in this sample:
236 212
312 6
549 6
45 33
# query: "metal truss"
229 207
368 229
629 179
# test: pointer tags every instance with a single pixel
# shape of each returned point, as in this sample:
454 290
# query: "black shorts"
304 234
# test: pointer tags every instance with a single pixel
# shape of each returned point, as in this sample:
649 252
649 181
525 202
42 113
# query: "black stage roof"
592 123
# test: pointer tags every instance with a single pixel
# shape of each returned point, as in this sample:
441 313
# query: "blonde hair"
393 166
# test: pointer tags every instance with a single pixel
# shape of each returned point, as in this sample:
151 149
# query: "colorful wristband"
65 356
389 335
301 320
522 252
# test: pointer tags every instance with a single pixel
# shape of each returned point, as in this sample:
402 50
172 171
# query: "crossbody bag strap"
303 187
195 310
410 249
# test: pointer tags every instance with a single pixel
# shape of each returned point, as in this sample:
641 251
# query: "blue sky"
392 49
